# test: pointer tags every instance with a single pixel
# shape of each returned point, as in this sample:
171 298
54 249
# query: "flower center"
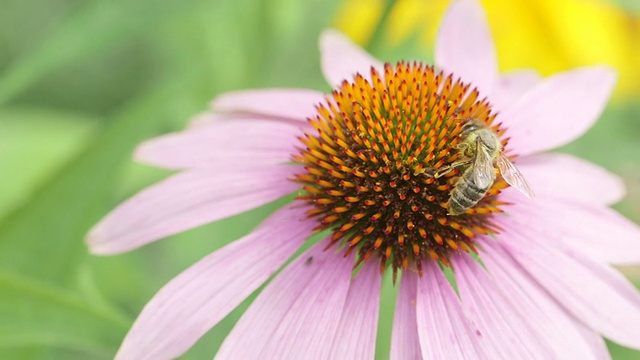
388 166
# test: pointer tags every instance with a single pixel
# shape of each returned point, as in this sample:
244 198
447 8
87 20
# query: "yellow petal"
547 35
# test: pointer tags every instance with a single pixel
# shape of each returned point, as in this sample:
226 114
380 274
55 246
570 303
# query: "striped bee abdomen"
465 194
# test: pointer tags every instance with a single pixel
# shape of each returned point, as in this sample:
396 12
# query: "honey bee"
480 148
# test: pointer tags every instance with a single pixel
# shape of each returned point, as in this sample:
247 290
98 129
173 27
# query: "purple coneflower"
373 166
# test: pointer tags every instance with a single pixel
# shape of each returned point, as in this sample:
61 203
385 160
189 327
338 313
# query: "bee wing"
513 176
483 172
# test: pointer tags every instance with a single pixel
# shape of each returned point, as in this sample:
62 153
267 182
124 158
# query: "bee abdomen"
465 195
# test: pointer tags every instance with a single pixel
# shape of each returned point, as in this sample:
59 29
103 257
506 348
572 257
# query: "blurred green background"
83 81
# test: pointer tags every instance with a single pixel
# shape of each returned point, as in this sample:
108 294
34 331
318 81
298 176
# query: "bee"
480 148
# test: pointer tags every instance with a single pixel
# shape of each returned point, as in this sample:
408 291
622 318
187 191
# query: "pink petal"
445 331
564 176
187 200
510 87
197 299
464 46
239 144
208 118
291 104
596 342
297 315
559 109
596 231
593 292
356 334
341 59
501 324
405 343
515 313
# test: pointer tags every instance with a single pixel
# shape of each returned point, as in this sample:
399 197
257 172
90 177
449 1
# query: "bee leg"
430 172
447 169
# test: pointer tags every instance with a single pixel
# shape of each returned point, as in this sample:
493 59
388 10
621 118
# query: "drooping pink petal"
515 312
464 46
565 176
291 104
500 322
596 342
297 315
594 230
558 110
187 200
341 59
510 87
593 292
356 334
445 331
197 299
239 144
405 343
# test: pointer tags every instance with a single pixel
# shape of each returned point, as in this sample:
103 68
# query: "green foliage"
36 313
53 137
80 86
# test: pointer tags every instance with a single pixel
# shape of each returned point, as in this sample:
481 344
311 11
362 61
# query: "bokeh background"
83 81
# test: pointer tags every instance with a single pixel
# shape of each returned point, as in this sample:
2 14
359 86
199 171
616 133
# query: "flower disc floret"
370 162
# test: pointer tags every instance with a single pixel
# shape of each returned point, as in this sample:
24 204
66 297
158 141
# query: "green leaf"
42 352
34 143
44 238
90 31
34 313
630 6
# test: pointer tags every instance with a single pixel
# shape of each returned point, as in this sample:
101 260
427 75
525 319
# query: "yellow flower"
547 35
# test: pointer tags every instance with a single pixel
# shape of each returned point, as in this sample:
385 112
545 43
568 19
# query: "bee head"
469 126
